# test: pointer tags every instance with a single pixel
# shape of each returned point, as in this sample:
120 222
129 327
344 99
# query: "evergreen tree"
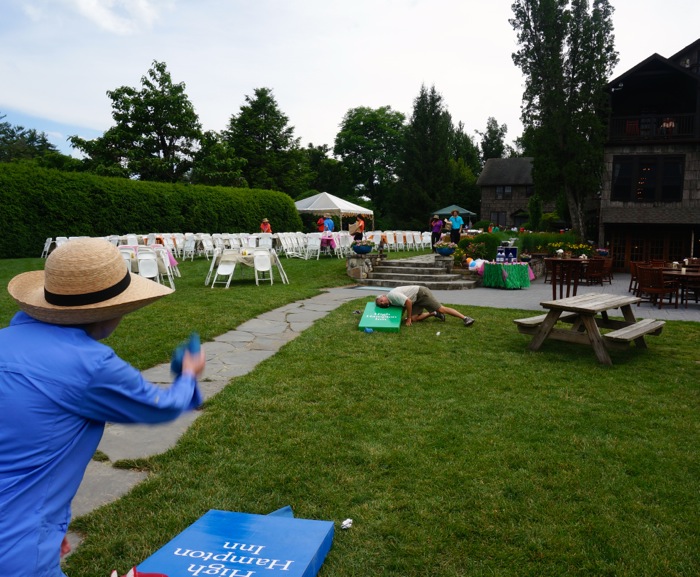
566 52
261 135
493 140
427 173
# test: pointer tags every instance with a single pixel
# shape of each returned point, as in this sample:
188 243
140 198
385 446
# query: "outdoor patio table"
581 311
507 275
684 280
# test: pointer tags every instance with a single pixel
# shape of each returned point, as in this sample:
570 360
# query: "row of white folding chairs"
293 244
400 240
152 263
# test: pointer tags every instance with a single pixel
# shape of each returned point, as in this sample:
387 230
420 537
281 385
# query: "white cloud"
118 16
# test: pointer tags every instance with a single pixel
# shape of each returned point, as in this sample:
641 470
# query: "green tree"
493 140
466 165
427 173
261 135
19 143
369 143
566 52
156 135
534 208
216 163
329 174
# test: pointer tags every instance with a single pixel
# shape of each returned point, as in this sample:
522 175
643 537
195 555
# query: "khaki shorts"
425 300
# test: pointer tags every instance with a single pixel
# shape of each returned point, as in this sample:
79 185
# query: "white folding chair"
313 245
276 261
265 240
262 263
390 240
225 270
164 268
189 248
47 247
212 266
426 239
417 240
148 265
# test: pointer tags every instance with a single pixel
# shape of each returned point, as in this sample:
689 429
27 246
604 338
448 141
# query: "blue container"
361 249
445 251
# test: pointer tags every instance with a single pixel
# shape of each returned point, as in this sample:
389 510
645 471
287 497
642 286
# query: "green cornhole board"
386 320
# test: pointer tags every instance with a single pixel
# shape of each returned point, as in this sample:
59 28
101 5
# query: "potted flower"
525 257
602 251
445 248
362 246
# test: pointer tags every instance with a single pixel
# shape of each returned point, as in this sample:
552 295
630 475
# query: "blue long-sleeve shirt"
58 387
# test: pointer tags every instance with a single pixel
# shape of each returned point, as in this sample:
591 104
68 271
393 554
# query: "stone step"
408 276
388 269
411 264
432 285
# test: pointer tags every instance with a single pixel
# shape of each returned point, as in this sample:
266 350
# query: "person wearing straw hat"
328 224
265 226
59 386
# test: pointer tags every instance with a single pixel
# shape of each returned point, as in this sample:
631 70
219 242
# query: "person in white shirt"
420 304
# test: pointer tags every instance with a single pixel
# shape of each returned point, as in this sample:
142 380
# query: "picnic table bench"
582 313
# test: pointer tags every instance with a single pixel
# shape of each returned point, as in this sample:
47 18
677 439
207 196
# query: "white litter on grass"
437 334
346 524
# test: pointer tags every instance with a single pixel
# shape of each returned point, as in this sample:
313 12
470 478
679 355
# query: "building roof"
515 171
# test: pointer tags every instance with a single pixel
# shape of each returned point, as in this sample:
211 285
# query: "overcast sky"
58 58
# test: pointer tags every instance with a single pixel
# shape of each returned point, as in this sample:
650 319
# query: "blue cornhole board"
242 544
387 320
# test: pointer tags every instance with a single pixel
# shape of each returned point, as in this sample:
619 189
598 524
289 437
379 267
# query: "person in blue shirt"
59 386
457 226
328 224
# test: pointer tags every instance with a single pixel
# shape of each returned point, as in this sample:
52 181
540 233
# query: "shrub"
38 203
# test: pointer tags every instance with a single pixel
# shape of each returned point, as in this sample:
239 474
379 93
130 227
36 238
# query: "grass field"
459 454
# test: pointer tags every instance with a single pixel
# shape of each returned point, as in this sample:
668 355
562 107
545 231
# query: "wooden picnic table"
582 313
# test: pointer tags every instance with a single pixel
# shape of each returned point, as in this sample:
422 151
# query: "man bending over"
415 299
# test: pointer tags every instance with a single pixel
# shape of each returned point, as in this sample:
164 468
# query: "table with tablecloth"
329 241
507 275
247 258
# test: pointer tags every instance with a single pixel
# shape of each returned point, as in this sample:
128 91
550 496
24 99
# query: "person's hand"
408 322
193 363
65 547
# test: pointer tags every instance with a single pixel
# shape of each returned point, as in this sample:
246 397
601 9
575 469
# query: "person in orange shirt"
320 224
359 228
265 226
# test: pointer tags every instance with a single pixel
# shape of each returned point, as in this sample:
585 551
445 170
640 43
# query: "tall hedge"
37 203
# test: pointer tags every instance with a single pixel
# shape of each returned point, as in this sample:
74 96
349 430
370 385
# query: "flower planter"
362 249
445 251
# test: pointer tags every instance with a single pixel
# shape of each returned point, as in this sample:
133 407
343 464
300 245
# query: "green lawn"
459 454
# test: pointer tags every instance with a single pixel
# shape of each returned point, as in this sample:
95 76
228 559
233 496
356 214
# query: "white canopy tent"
323 203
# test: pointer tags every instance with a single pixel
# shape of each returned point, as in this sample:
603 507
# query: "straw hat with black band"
84 281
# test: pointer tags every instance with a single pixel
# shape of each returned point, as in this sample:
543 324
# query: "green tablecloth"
509 276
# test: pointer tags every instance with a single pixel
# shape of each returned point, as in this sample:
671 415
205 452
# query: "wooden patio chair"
607 270
593 271
654 288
